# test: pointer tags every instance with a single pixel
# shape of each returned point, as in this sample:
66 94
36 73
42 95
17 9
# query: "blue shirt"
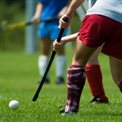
51 8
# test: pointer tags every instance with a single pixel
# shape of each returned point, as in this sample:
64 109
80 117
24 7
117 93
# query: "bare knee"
82 54
61 51
94 57
45 46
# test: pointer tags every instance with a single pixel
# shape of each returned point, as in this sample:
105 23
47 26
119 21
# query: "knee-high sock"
75 84
42 64
60 65
94 77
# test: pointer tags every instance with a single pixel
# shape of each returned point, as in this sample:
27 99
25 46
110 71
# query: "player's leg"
114 49
60 61
94 77
116 70
60 66
76 77
45 45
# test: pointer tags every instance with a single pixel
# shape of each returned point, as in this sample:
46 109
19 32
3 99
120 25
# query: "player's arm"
64 40
73 6
37 14
62 12
69 13
69 38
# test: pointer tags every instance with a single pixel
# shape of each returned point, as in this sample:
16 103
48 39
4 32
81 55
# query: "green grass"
18 80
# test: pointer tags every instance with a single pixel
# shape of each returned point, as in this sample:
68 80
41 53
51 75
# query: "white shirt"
109 8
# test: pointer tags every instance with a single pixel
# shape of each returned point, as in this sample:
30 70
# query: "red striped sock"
75 84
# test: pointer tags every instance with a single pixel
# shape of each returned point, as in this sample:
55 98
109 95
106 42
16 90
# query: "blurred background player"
49 12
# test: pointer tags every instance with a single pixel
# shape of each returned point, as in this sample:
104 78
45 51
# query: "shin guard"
75 83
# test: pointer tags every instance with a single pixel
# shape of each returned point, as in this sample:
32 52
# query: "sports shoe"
63 113
97 100
47 81
59 80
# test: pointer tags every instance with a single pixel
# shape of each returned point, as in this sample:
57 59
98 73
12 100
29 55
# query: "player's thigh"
43 35
94 57
82 53
116 69
45 46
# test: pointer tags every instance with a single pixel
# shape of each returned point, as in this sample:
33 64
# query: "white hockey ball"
13 104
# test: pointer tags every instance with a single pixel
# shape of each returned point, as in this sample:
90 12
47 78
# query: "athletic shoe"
47 81
63 113
59 80
97 100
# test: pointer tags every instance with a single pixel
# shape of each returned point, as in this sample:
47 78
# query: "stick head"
35 97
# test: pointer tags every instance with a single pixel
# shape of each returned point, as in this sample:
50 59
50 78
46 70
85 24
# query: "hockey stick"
49 64
4 26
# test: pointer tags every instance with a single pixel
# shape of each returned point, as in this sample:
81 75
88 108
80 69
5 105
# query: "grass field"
18 80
